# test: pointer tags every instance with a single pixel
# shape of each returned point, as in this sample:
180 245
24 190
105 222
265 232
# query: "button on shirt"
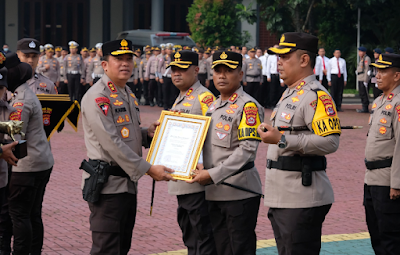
272 65
333 64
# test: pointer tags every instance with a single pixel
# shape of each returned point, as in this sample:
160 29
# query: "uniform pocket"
221 138
383 130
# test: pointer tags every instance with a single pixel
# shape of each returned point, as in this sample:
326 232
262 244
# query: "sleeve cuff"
213 172
292 142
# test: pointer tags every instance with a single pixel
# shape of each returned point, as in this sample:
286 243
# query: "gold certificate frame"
178 141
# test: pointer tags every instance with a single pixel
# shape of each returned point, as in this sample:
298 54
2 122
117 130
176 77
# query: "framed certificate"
178 141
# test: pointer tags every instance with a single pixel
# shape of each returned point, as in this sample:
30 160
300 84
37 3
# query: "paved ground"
65 214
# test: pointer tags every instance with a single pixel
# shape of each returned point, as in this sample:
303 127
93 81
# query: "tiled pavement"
65 214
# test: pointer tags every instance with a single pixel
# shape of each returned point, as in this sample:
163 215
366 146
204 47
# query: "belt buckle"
269 162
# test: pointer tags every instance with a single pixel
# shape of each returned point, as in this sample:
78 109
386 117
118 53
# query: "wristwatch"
282 143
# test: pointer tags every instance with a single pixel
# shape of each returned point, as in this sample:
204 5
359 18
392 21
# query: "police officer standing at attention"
228 155
95 71
363 79
205 69
28 52
252 73
382 160
297 189
151 75
193 217
74 68
49 66
30 177
143 80
170 92
113 137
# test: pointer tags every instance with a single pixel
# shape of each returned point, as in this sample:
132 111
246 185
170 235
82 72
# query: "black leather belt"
297 163
372 165
112 170
248 166
253 76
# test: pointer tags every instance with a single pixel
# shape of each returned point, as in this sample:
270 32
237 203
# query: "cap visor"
230 65
379 66
30 51
120 52
180 65
280 50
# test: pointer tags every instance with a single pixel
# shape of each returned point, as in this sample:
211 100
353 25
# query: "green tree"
214 22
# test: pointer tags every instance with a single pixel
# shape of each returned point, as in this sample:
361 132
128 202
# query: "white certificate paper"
178 142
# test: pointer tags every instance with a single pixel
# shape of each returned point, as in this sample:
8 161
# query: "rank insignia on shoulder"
125 132
382 130
111 86
295 99
300 85
391 95
373 106
187 104
189 92
113 95
103 103
388 107
233 97
118 103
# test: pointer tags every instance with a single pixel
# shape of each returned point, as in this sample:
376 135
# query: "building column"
127 15
157 15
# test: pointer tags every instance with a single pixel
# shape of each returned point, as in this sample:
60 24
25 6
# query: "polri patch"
104 104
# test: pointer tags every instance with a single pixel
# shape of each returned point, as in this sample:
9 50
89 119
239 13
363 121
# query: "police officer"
211 85
49 66
62 87
142 71
170 92
273 77
252 73
29 179
95 70
228 157
382 177
363 79
193 217
151 75
137 84
372 73
204 68
111 124
297 189
74 68
28 52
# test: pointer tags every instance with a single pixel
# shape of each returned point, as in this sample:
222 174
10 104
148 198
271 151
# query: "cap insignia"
177 55
124 45
282 38
223 55
380 57
32 45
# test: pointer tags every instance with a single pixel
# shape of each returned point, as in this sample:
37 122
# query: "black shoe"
362 111
339 110
151 104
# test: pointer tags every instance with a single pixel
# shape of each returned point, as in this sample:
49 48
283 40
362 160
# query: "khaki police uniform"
383 171
252 73
151 72
29 179
204 71
95 70
49 68
40 84
193 217
111 124
363 79
228 154
170 92
142 71
74 68
297 188
137 89
5 111
62 88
